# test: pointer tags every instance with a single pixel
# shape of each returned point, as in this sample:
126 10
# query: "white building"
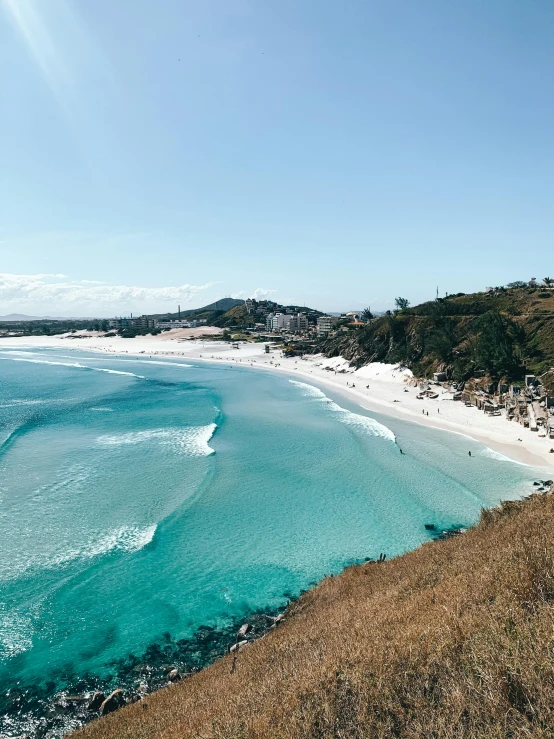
297 322
275 321
324 324
286 322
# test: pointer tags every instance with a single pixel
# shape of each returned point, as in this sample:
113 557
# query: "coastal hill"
451 640
208 312
505 332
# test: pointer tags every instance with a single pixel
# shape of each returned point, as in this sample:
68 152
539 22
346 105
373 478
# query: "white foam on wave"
17 403
123 539
165 364
16 632
102 410
491 454
133 360
77 365
193 440
361 423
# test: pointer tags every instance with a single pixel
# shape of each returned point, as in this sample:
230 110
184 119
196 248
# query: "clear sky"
336 153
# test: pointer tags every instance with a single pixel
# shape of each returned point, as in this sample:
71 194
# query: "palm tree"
548 281
367 315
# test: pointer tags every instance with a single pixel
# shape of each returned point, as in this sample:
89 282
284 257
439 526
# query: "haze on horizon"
334 155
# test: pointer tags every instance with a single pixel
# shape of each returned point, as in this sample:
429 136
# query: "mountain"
505 332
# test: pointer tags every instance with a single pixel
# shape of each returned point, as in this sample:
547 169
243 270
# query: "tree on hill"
548 281
401 303
517 284
366 315
494 345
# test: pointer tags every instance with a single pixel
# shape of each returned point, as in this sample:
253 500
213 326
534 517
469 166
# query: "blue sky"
330 153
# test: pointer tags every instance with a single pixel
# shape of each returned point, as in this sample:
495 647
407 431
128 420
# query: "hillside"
236 316
452 640
209 312
506 333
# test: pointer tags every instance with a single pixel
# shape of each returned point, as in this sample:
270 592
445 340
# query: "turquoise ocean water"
142 500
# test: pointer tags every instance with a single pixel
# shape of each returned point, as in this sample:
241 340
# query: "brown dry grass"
452 640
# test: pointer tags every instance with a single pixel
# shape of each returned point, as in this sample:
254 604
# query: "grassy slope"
452 640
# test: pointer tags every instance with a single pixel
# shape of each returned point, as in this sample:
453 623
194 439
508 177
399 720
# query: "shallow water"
141 500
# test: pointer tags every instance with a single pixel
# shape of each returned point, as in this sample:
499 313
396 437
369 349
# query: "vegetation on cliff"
452 640
505 332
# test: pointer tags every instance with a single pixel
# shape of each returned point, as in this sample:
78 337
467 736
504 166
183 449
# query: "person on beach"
469 454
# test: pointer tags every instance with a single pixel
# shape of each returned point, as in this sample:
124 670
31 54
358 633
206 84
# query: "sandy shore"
376 387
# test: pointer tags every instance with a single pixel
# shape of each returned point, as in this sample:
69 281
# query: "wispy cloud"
57 292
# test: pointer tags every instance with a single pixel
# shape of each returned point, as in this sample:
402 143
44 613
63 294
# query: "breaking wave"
18 403
123 539
193 440
16 632
136 360
361 423
491 454
77 365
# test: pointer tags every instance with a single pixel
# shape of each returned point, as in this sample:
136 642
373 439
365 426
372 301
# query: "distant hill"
23 317
218 308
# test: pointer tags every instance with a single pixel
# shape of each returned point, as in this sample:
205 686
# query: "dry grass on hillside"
455 639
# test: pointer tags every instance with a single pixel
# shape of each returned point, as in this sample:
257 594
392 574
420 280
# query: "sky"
333 154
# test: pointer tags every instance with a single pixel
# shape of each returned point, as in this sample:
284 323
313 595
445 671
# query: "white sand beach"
376 387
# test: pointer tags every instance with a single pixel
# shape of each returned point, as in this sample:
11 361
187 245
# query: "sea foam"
361 423
193 441
491 454
77 365
16 632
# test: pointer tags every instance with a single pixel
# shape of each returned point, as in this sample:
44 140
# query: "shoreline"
376 388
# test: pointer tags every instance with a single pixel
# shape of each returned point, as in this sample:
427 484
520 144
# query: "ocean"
148 506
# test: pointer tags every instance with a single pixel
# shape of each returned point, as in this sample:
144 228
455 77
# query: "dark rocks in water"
430 527
244 630
96 701
447 533
114 701
174 676
536 483
548 482
136 675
